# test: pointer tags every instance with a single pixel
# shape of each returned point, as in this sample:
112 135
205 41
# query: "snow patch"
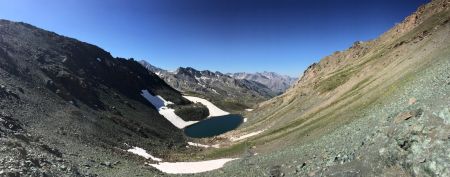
248 110
170 115
157 101
197 78
215 91
205 78
245 119
159 74
161 105
99 59
191 167
181 167
143 153
247 135
213 109
203 145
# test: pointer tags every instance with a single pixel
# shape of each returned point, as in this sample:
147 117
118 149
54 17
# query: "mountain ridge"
225 91
276 82
76 104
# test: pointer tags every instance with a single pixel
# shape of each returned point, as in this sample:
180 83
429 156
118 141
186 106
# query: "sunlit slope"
333 91
348 110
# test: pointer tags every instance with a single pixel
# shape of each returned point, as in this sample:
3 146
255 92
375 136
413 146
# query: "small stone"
382 151
412 101
402 117
116 162
417 128
87 166
29 163
422 160
63 167
303 165
313 173
445 115
107 164
432 166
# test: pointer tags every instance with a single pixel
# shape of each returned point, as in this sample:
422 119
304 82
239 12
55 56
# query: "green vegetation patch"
192 112
231 106
334 81
231 150
356 88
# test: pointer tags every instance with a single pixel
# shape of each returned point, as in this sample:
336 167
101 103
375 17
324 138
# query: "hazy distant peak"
276 82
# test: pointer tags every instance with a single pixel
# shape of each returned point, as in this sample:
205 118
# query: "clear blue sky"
284 36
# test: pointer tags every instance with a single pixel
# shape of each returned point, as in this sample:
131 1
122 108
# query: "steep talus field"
379 108
69 108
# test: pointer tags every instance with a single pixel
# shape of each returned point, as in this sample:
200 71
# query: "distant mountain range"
275 82
233 92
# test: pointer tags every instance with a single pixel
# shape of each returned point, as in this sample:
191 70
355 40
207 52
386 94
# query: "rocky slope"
275 82
69 108
226 92
379 108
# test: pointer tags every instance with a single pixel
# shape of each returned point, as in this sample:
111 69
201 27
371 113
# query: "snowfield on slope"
143 153
213 109
191 167
181 167
203 145
161 105
246 135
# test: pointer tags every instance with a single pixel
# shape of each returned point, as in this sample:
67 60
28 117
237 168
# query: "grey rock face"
276 82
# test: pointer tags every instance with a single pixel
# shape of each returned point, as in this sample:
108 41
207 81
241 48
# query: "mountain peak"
217 87
276 82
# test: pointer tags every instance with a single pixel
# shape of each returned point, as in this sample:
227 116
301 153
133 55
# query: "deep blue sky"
284 36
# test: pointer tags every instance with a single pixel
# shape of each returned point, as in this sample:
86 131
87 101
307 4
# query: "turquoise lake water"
214 126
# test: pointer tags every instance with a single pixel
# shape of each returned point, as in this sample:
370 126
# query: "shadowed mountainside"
75 101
